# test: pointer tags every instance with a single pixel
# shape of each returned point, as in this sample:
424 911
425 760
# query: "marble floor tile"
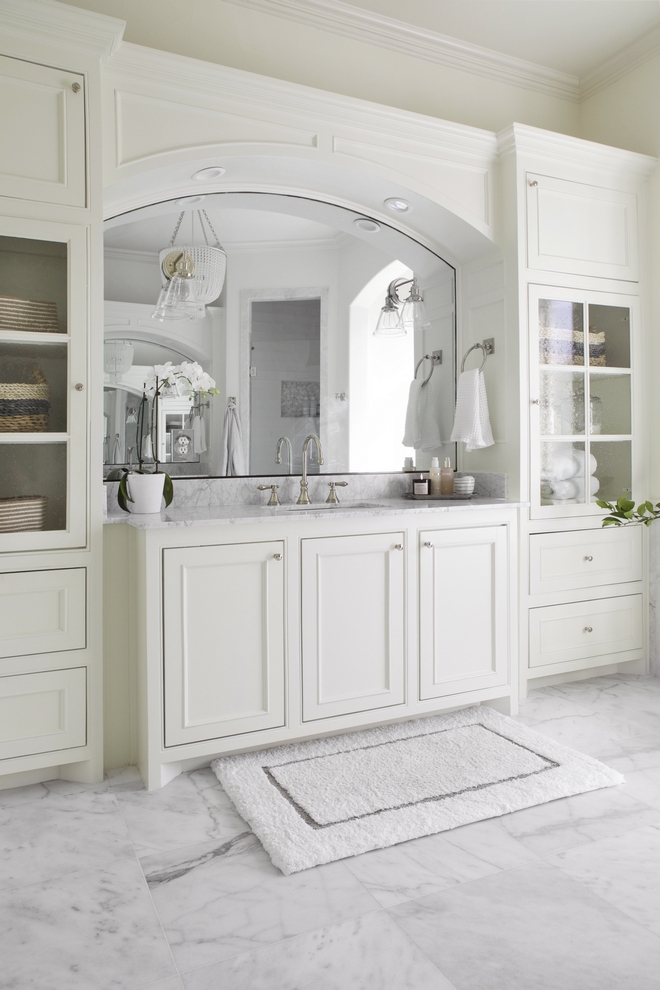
623 870
58 827
89 930
175 983
635 701
554 827
422 866
193 808
366 953
531 928
217 901
593 733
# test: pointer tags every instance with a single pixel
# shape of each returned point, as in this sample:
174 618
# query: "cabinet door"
353 602
42 122
581 229
584 402
223 629
596 632
42 611
43 374
463 611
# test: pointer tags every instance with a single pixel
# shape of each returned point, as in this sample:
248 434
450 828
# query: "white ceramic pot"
146 490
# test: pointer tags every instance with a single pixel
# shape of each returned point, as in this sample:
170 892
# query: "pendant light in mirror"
398 315
193 274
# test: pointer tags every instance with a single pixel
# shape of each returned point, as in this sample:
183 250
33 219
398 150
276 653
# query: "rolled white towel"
561 467
594 485
579 456
564 489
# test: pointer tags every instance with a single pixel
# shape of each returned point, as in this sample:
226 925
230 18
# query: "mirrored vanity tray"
432 498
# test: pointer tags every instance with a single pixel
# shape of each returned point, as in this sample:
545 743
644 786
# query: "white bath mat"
318 801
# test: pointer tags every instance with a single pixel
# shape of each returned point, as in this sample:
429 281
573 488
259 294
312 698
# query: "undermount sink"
342 505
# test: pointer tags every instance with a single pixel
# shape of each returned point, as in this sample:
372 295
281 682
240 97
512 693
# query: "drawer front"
562 633
43 712
42 612
585 559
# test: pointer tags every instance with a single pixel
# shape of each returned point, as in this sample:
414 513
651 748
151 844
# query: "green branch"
624 513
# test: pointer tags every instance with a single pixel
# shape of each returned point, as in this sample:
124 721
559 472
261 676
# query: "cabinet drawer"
562 633
42 612
42 712
585 559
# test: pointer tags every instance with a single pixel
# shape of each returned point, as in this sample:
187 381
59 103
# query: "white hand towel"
199 433
232 462
471 422
428 419
413 433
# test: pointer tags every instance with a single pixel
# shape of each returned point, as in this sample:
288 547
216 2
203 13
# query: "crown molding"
50 21
135 257
527 140
619 65
217 86
333 243
407 39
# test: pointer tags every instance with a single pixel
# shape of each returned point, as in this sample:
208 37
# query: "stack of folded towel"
563 475
561 345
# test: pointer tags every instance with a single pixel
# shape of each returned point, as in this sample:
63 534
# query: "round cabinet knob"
588 629
429 546
398 546
533 183
76 87
79 386
589 557
535 402
277 556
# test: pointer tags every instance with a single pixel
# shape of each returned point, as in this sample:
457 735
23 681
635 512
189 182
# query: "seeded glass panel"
614 468
561 332
31 469
35 399
562 403
33 282
562 473
609 404
609 336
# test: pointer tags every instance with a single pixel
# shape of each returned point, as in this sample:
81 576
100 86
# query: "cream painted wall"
274 46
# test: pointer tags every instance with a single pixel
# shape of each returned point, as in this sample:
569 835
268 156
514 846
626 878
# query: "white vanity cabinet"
463 610
223 640
260 633
353 624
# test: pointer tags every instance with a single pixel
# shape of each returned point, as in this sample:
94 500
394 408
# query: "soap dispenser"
447 478
434 476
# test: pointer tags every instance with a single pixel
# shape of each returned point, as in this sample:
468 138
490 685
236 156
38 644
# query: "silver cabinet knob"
277 556
429 546
533 183
79 386
535 402
76 87
589 557
398 546
588 629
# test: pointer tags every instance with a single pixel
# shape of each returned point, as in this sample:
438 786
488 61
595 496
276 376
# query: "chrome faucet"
278 453
303 498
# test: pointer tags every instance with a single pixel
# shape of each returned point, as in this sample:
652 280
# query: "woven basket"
29 315
24 406
22 513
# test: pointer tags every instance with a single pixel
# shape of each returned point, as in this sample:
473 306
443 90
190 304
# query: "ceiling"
573 36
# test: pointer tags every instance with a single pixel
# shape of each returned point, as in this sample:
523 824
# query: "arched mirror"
290 340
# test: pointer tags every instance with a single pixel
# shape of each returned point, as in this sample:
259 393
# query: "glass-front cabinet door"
43 385
581 392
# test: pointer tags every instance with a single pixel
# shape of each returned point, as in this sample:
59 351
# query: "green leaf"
610 521
605 505
642 510
624 504
168 490
123 496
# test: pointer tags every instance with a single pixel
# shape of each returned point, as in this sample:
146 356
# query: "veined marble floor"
109 887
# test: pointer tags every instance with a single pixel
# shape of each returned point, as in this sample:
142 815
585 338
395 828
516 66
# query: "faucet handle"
333 485
273 500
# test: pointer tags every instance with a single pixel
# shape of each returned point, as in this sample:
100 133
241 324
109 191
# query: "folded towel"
232 462
431 437
199 433
472 422
412 436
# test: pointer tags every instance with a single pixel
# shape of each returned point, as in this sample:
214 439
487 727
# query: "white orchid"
188 379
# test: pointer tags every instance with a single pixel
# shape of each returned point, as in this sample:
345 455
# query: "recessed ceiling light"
398 205
369 226
190 200
213 172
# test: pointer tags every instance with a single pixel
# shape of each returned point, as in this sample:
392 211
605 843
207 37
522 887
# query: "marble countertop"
219 515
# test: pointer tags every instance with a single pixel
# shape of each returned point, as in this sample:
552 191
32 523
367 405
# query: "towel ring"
434 358
469 350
